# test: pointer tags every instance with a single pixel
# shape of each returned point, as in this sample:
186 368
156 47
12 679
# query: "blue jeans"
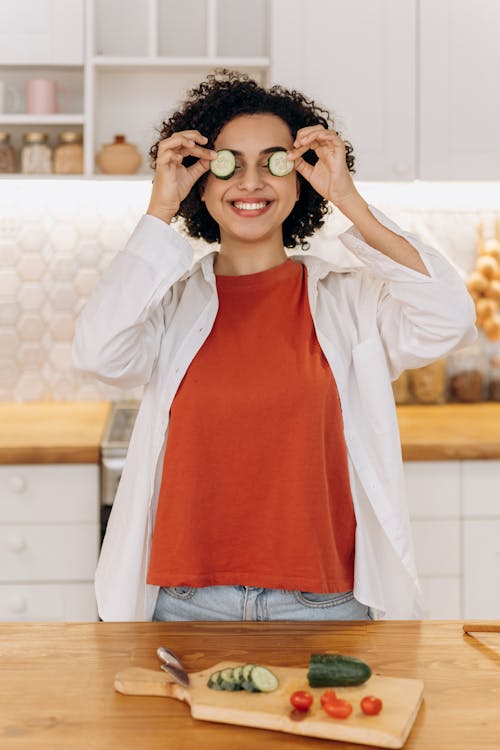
253 603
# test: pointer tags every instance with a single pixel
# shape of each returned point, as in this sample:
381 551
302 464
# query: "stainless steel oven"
114 448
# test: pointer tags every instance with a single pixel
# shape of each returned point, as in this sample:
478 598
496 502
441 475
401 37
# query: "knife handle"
139 681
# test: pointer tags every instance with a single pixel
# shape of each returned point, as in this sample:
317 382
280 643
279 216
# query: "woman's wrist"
165 216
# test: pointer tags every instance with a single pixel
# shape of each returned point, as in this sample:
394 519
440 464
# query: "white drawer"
61 552
481 489
437 547
52 602
49 492
482 569
433 488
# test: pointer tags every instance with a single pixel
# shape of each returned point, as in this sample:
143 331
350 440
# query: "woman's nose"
251 178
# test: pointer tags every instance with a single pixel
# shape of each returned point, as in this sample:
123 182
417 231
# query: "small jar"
494 379
36 154
119 157
428 383
468 374
68 154
7 155
400 388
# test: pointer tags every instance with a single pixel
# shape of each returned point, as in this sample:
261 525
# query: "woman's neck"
238 258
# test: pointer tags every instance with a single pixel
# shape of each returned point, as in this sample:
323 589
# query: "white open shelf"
139 58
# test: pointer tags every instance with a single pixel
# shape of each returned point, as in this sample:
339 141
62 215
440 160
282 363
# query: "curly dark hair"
224 95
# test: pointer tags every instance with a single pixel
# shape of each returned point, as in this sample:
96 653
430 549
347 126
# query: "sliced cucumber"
279 165
250 677
263 679
213 681
224 164
238 675
227 679
245 671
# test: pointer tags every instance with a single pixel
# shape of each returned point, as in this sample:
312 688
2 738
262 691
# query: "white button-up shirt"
152 311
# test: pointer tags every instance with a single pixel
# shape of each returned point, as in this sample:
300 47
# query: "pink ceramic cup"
41 96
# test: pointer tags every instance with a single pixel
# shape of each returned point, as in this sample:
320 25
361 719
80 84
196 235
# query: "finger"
186 147
304 168
175 141
198 168
294 153
192 135
307 130
319 137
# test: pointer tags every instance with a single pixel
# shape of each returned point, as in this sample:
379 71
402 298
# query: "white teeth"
250 206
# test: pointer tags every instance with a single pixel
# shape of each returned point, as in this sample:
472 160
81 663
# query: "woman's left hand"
330 176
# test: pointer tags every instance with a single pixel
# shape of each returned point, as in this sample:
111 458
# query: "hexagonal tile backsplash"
58 235
56 238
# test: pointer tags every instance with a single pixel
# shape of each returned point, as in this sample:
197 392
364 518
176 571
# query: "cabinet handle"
17 603
18 484
16 543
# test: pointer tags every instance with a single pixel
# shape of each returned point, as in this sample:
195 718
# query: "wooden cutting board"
401 698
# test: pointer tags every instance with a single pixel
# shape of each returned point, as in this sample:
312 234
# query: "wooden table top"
56 681
450 431
70 432
52 432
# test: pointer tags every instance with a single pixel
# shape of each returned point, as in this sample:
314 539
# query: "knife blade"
180 675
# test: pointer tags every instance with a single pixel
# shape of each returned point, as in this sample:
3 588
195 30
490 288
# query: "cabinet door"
47 32
481 538
458 90
433 492
356 57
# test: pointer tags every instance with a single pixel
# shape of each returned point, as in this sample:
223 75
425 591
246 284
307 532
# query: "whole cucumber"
335 670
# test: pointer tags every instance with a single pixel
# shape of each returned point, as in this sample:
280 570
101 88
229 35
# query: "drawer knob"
17 484
18 603
17 543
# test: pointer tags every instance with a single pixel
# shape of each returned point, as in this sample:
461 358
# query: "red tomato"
339 709
370 705
301 700
328 696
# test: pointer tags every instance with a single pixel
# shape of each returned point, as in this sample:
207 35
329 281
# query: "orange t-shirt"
255 488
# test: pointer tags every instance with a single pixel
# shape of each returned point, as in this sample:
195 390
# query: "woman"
264 476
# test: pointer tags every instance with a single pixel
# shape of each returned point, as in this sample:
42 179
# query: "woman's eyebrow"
269 150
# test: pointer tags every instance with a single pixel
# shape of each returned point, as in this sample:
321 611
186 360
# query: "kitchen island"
56 681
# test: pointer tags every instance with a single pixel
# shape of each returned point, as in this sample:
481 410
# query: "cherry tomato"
370 705
339 709
328 696
301 700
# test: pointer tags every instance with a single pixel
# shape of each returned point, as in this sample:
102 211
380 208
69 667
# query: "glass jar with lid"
7 154
468 374
68 154
36 154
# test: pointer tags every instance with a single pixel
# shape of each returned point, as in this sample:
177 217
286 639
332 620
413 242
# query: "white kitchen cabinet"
458 90
49 541
434 500
481 539
41 32
455 518
139 58
414 84
359 60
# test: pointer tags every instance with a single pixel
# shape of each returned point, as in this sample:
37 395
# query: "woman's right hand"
172 181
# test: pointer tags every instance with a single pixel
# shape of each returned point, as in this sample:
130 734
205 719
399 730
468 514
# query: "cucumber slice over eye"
224 164
279 165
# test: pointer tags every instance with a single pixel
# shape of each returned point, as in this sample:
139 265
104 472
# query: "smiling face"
251 205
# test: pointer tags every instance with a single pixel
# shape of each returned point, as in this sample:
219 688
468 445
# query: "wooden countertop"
56 681
70 432
52 432
450 431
